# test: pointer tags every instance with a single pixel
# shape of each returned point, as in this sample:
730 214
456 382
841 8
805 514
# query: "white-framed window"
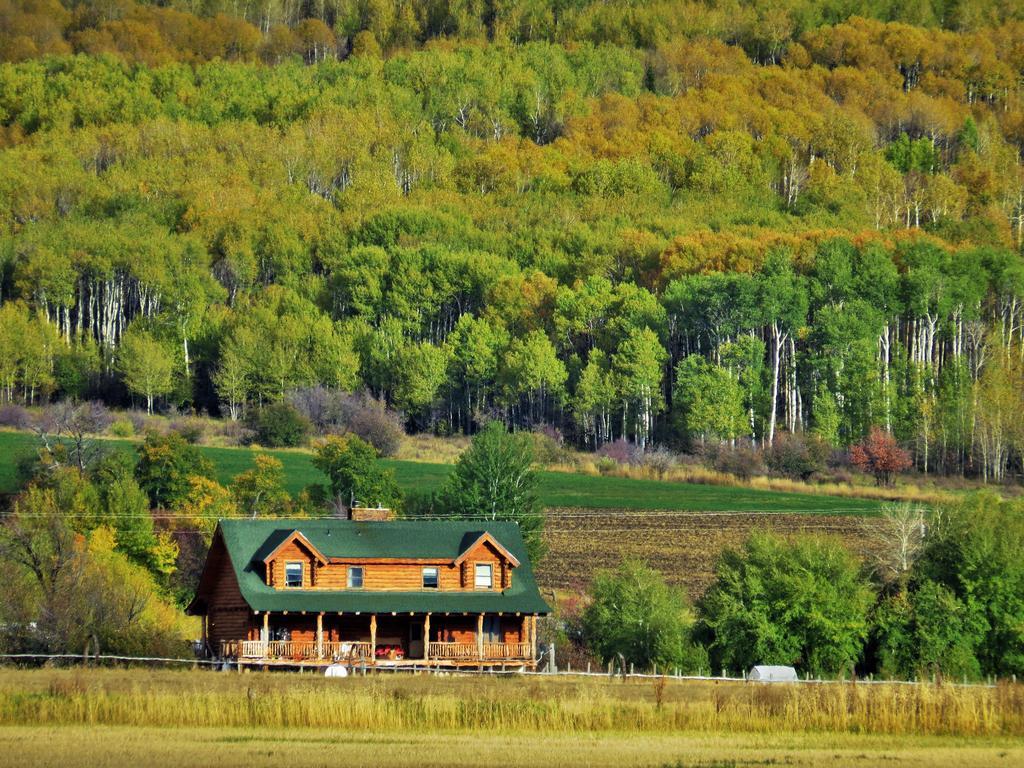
431 578
355 577
484 576
293 575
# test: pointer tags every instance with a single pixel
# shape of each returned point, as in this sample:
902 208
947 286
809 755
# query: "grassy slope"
558 489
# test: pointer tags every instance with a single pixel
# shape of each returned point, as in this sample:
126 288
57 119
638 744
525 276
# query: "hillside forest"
683 224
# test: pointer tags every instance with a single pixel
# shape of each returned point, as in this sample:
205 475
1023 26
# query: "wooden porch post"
320 635
426 638
524 635
265 637
373 636
480 635
533 637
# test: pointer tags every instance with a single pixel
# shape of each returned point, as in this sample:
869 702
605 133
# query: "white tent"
772 674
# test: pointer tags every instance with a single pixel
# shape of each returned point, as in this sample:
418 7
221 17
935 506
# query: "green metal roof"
248 542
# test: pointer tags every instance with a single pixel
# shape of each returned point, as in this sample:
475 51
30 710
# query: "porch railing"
307 650
296 650
507 650
471 651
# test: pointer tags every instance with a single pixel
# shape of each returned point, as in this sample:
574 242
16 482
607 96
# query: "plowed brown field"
684 546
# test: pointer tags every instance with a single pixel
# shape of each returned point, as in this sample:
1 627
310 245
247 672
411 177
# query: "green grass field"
557 489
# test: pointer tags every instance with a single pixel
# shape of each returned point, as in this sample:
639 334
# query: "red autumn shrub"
880 455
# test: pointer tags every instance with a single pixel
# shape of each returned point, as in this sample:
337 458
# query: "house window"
293 574
484 576
355 577
431 578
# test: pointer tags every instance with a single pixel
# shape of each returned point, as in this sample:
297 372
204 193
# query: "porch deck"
324 653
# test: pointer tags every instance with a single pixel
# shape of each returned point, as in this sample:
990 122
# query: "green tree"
147 366
260 491
927 631
126 513
802 603
533 372
165 467
633 613
356 475
423 367
594 400
638 367
280 425
708 401
975 549
233 378
494 480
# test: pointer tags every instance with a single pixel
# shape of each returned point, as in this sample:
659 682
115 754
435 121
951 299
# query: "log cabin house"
368 590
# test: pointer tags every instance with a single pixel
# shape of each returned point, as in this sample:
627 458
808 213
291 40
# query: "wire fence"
508 670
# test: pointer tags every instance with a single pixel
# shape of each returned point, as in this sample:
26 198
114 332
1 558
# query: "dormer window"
483 576
293 575
355 577
431 578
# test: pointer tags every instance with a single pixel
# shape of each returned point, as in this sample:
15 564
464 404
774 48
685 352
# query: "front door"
415 639
492 629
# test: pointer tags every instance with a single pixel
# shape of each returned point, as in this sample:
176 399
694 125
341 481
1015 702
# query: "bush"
743 461
370 420
621 451
140 421
797 456
122 428
661 461
193 430
236 433
880 455
280 425
547 446
339 413
14 416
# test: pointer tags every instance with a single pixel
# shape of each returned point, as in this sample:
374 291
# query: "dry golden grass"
431 449
484 704
201 718
110 746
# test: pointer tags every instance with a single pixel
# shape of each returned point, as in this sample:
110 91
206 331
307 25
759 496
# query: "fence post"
631 667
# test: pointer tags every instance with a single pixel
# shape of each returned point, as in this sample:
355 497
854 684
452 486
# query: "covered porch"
393 639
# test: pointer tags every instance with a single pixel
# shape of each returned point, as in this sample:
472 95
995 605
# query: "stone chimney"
371 514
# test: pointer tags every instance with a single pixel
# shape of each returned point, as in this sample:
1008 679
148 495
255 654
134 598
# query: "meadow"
557 489
184 718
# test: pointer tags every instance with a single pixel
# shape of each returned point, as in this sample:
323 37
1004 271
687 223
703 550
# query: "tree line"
193 31
677 245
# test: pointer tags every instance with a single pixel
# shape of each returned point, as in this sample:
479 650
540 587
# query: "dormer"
485 564
294 563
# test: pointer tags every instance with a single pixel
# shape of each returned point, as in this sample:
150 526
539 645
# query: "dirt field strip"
684 546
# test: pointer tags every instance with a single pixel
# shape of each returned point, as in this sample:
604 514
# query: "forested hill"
682 223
